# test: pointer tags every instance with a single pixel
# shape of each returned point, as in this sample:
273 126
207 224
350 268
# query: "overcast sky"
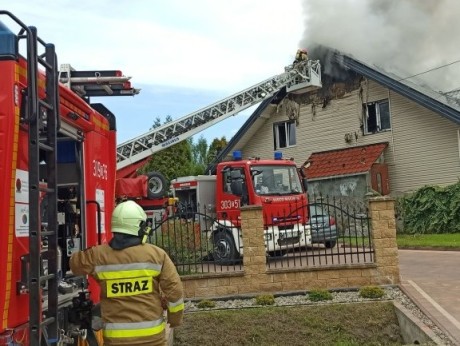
184 55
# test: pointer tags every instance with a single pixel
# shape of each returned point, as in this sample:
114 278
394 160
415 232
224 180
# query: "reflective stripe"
134 329
176 306
125 271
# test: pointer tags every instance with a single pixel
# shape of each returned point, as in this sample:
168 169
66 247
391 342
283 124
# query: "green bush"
430 210
206 304
181 240
265 299
319 295
371 292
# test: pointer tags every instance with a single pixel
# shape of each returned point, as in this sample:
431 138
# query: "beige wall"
256 278
423 146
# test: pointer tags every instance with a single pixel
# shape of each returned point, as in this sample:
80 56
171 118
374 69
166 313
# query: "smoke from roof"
405 37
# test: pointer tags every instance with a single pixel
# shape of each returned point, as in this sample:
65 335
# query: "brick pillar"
252 228
383 227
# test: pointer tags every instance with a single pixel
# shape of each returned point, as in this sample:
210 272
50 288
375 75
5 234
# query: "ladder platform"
302 88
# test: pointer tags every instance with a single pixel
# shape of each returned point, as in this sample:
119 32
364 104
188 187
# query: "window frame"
288 125
378 117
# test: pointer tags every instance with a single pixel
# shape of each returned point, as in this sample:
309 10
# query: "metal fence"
340 234
196 242
336 233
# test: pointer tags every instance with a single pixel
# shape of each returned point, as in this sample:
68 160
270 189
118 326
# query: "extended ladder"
305 75
42 119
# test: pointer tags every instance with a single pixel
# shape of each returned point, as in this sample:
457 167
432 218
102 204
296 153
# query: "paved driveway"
433 279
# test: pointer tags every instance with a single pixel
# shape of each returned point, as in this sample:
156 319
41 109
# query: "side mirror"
236 182
305 184
237 187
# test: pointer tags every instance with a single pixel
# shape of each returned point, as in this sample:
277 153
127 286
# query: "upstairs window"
284 134
376 117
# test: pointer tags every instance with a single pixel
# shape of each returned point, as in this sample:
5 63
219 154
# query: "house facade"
420 130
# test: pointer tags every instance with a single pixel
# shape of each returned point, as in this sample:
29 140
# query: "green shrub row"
430 210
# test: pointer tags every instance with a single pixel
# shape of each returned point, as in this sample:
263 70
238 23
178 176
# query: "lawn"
445 241
336 324
428 241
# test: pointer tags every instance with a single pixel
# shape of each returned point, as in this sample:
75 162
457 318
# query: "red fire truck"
274 184
59 165
45 216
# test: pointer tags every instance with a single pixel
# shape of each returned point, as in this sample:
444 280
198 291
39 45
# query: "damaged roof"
445 104
343 162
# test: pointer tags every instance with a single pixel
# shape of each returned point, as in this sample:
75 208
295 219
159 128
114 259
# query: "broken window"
376 117
284 134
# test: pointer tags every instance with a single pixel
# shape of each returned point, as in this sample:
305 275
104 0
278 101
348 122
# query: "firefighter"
134 277
301 55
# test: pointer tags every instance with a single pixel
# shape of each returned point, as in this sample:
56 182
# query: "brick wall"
256 278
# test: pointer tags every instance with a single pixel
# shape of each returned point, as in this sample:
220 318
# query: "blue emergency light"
278 155
8 44
237 155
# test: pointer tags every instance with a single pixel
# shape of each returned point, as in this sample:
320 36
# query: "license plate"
288 235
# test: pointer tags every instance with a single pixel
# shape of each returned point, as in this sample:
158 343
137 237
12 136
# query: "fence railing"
197 242
335 233
339 234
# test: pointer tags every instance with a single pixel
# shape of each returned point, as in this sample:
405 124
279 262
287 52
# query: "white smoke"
405 37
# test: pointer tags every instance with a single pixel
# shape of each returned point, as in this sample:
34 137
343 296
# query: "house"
366 130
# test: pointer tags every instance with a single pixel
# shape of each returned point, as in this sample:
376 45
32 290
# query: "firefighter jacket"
131 280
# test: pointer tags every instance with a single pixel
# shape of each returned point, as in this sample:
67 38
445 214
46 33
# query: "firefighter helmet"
127 218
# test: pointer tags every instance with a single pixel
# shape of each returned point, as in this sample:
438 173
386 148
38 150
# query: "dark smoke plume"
405 37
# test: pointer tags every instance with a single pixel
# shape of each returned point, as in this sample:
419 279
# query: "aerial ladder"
297 78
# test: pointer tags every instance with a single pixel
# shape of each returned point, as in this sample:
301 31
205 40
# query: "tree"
184 158
172 162
199 155
217 145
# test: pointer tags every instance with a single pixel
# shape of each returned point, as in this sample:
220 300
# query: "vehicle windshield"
276 180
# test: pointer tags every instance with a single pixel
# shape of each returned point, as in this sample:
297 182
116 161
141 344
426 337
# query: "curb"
427 313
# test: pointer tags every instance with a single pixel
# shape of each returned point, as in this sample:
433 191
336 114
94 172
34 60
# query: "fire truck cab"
215 200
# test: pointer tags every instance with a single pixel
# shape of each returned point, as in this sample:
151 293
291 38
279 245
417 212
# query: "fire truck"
58 166
215 201
57 174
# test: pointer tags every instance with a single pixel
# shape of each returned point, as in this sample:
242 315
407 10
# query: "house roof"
446 105
342 162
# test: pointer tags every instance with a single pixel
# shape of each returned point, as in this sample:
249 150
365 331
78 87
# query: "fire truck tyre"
156 185
329 244
224 251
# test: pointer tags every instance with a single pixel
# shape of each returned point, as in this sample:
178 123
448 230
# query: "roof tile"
343 161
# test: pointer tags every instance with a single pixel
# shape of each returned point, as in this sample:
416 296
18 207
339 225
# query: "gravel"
350 296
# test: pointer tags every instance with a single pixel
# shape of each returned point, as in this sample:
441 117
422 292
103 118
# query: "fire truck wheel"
224 251
156 185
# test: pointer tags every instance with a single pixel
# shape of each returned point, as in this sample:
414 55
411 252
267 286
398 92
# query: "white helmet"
127 218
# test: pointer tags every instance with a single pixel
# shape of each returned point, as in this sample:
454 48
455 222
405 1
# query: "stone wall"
256 278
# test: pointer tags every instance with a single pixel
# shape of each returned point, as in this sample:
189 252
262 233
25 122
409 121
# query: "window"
284 134
376 117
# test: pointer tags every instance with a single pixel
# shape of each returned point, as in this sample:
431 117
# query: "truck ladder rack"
304 75
43 122
96 82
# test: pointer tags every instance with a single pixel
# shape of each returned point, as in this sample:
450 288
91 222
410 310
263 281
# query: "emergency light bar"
8 44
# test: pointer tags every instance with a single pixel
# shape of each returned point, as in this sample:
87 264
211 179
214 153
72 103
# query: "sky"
183 55
186 55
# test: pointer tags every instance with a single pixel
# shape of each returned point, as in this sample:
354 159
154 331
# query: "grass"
336 324
445 240
441 241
